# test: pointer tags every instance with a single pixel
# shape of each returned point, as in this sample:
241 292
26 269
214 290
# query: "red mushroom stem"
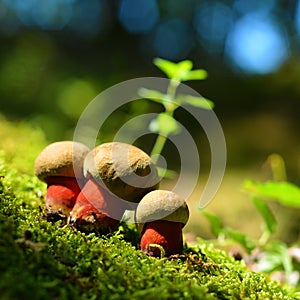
163 233
94 207
61 193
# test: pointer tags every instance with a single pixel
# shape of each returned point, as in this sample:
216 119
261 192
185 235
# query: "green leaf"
164 124
198 74
217 229
153 95
200 102
166 173
283 192
241 238
215 222
181 71
269 262
276 257
153 126
266 213
156 96
185 65
168 67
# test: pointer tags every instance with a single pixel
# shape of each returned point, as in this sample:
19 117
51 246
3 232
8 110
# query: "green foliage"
215 222
266 255
276 253
261 255
266 213
43 260
228 233
276 257
283 192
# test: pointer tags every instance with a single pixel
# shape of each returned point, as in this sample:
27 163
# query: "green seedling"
165 124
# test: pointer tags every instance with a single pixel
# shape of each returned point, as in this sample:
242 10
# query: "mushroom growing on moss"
118 174
160 217
60 165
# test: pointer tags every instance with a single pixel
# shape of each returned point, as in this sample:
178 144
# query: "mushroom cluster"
93 189
117 174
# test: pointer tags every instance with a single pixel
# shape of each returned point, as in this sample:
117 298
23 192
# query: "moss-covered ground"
42 260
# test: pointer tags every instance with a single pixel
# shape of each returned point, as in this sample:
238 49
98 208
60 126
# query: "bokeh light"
297 17
173 39
74 95
88 17
44 14
252 34
257 44
178 9
138 16
83 17
246 6
212 22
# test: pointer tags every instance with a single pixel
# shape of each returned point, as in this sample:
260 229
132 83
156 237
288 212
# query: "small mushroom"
60 165
118 174
160 217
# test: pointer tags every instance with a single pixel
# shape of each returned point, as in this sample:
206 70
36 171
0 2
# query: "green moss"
20 143
41 260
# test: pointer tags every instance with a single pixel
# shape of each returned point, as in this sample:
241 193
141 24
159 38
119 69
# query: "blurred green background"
57 55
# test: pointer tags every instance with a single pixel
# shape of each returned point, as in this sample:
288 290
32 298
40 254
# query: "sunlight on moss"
59 262
20 144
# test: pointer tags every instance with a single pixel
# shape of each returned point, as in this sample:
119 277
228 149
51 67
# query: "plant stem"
278 167
157 148
171 91
169 109
264 238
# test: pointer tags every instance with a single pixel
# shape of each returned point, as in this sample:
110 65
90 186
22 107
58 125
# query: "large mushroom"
60 165
160 217
118 174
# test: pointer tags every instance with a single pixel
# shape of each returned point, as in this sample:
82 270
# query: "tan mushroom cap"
161 205
127 171
61 159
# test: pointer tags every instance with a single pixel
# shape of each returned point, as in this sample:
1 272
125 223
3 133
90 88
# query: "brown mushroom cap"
161 205
61 159
126 170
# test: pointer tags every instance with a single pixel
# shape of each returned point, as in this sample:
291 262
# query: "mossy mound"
43 260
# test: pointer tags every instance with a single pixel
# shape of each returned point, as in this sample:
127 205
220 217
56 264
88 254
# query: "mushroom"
118 175
160 217
60 165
